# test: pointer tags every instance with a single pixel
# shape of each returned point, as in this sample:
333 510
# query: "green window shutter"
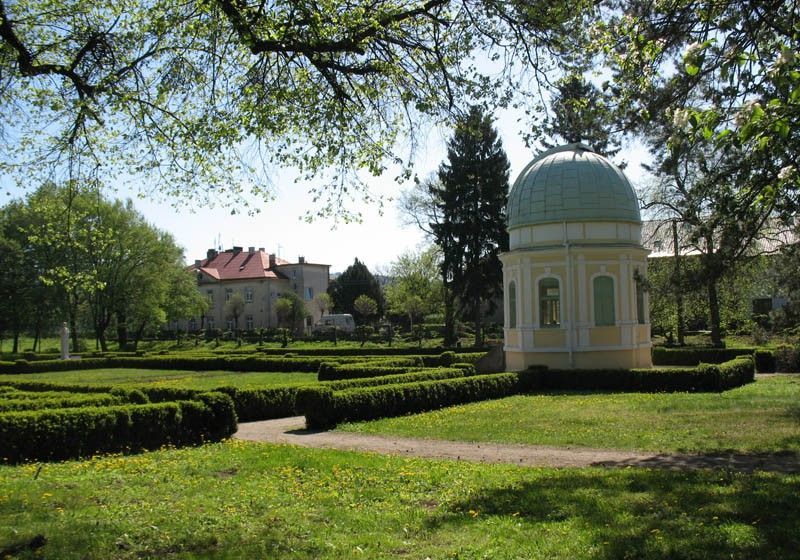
604 301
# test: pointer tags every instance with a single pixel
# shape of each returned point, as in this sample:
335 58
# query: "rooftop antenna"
279 250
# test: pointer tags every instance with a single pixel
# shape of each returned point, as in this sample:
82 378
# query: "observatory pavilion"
573 275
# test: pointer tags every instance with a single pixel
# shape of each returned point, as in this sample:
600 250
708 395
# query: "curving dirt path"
292 431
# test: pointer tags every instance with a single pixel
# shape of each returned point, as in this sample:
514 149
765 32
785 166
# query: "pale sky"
377 241
279 227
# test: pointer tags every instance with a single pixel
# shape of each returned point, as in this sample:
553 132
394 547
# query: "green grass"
238 500
169 378
760 417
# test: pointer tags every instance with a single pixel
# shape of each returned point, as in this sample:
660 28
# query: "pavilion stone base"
595 359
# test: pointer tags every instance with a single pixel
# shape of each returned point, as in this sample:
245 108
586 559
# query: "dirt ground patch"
292 431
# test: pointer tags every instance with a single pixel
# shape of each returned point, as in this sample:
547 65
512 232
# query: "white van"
342 321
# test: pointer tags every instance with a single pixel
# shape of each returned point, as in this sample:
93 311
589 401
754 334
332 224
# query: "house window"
248 321
512 305
210 296
294 273
228 294
549 302
230 324
210 322
604 301
248 295
309 294
192 324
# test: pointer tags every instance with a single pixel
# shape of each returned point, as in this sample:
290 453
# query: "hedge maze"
52 420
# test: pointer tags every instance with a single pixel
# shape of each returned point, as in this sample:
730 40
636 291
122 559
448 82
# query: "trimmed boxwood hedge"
250 404
765 361
691 356
329 372
324 407
705 377
81 432
356 351
422 375
193 363
58 400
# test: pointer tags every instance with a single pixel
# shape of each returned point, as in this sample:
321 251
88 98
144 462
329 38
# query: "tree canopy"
580 113
87 257
356 280
416 287
198 96
723 72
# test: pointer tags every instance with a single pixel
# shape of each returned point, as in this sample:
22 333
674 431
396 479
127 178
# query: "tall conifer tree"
581 113
472 199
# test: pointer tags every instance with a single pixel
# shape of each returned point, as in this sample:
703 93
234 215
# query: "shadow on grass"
653 514
783 461
793 412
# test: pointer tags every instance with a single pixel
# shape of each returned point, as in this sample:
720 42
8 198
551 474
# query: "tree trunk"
122 331
138 336
15 346
713 308
73 330
449 317
478 323
713 272
37 332
678 285
100 335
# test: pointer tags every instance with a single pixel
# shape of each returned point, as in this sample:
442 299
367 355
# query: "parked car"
342 321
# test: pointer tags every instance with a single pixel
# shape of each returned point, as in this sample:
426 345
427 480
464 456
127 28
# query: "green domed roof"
571 183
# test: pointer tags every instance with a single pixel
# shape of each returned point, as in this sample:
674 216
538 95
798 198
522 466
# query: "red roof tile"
230 265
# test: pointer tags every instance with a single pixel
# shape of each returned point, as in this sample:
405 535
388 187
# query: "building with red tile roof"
260 278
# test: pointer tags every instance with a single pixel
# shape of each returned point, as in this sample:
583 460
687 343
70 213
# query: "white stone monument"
64 342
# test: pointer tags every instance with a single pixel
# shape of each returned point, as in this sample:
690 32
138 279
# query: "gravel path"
292 431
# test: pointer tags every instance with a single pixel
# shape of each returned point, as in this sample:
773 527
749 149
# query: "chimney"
251 249
237 249
197 263
301 260
272 260
211 254
261 249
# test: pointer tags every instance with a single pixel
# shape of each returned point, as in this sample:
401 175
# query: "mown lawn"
761 417
169 378
241 500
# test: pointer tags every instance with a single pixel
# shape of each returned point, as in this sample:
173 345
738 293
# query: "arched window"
604 301
549 302
512 305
